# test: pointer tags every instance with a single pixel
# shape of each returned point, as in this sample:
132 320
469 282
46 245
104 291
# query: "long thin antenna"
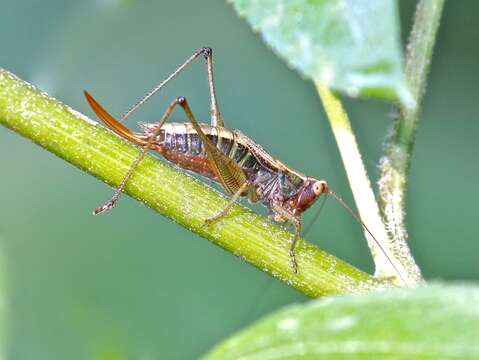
358 219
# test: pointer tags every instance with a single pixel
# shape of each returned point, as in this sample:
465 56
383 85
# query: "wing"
229 173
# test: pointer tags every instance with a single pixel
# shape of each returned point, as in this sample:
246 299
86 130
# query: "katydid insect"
226 156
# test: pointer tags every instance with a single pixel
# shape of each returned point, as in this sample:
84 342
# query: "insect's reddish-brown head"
307 195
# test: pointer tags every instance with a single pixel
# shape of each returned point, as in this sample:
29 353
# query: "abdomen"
180 144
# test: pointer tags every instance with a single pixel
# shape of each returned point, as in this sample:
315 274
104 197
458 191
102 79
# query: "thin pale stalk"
386 263
394 165
95 150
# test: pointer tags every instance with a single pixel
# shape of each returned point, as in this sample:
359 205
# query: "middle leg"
296 221
228 206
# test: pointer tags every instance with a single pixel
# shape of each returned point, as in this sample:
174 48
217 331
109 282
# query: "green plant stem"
387 265
394 165
95 150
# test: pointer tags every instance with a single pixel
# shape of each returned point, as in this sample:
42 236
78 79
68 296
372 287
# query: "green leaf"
350 46
434 322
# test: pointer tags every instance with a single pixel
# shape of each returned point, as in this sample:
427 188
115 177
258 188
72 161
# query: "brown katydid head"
306 196
311 190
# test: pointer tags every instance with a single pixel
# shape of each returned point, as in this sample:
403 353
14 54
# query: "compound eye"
318 187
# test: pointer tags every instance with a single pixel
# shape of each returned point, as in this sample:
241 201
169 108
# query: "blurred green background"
132 284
